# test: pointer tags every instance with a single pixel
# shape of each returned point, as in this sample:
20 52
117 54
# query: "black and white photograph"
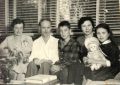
59 42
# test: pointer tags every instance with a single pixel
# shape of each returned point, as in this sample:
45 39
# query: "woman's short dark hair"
83 19
107 28
17 21
44 20
64 23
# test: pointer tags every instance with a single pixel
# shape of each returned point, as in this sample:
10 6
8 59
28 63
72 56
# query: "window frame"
40 13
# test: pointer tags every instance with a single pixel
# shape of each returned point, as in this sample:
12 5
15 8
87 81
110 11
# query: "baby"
95 53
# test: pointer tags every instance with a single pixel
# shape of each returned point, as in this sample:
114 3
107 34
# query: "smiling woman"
24 42
18 45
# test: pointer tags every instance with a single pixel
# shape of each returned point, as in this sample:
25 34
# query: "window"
2 15
11 11
75 10
28 12
109 13
31 11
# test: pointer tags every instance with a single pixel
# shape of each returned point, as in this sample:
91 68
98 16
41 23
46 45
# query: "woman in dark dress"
86 25
109 47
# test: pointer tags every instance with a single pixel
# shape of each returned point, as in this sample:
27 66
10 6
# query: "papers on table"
40 79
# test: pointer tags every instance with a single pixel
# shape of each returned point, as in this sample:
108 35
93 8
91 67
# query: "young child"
68 64
94 52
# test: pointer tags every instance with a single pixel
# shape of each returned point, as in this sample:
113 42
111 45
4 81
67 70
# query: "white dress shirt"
47 51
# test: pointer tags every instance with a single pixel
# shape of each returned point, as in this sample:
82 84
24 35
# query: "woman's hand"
102 62
86 61
92 61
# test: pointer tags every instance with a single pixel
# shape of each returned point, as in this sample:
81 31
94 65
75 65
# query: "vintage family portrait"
59 42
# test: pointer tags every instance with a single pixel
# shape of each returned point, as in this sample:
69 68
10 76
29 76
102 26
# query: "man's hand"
47 61
55 68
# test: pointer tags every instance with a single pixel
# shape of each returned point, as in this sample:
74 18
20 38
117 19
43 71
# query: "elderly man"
44 51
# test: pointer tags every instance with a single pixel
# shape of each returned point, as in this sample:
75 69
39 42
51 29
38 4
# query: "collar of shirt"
61 43
106 42
45 43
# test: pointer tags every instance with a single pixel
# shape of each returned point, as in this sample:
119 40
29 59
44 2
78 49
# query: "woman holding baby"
109 65
109 47
86 25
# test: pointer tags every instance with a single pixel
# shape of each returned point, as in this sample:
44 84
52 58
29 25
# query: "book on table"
41 79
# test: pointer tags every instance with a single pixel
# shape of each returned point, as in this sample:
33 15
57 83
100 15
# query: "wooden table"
34 80
16 82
